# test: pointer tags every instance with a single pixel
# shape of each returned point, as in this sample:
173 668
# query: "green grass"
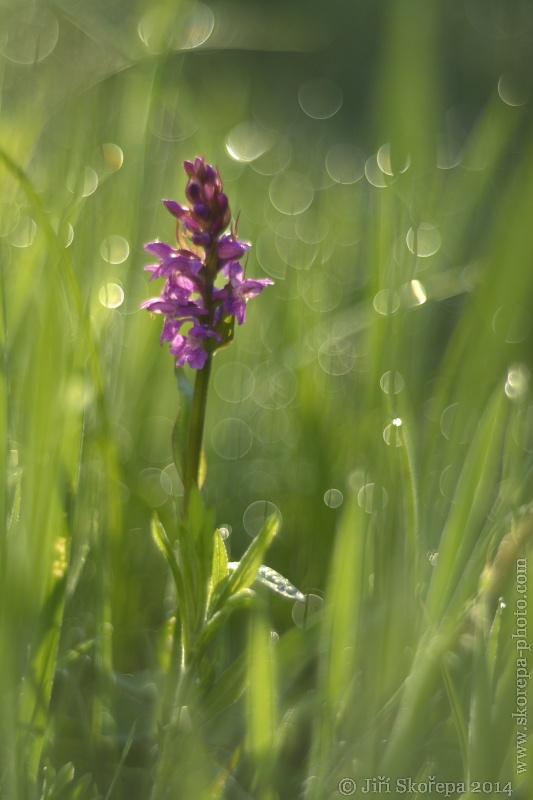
410 669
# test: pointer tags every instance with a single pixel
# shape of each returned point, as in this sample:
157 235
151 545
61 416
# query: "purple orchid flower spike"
189 294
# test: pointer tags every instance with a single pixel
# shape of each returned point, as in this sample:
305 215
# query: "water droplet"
150 489
433 558
448 482
337 356
386 302
385 164
345 163
28 35
307 612
333 498
311 227
274 637
110 157
194 30
275 387
24 233
372 498
517 381
111 295
276 159
257 514
413 294
392 435
247 141
321 294
234 382
511 324
320 98
424 240
291 193
271 426
278 583
114 249
84 183
447 418
224 530
513 90
231 438
171 481
294 252
373 173
392 382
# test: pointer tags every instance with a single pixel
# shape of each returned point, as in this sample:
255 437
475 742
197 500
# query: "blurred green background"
380 158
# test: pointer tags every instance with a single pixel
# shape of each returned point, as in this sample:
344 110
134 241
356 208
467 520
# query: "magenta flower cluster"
190 294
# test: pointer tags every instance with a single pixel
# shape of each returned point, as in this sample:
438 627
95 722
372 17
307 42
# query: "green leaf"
181 426
246 570
220 565
226 690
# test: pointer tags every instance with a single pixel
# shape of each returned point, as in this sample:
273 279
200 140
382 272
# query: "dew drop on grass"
333 498
385 162
171 481
391 382
224 530
345 163
231 438
511 324
111 295
372 498
257 514
337 356
234 382
291 193
392 435
307 612
114 249
320 98
24 233
517 381
247 141
373 173
386 302
424 240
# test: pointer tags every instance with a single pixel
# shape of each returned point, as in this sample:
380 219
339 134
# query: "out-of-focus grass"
378 396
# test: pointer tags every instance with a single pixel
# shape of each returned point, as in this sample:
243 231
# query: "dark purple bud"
193 192
202 239
188 166
191 224
211 175
201 211
222 202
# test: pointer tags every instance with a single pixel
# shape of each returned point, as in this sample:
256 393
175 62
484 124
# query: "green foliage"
378 401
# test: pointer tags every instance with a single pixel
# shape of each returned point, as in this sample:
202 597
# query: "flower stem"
196 431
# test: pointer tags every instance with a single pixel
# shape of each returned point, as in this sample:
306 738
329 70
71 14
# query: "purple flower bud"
231 248
202 239
193 192
175 208
201 211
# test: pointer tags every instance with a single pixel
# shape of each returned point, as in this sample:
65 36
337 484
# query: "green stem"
196 431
